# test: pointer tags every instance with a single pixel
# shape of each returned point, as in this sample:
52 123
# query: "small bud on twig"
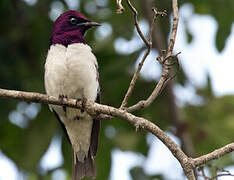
120 8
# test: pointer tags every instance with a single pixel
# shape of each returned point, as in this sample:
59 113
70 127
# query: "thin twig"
222 172
174 27
214 155
148 44
133 81
204 174
165 61
120 8
155 93
135 13
220 175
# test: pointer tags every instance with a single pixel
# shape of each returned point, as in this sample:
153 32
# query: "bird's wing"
95 131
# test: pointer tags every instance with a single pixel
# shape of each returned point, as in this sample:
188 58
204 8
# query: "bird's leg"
61 97
84 100
81 114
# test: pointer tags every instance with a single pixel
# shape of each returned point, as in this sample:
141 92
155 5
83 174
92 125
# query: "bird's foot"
83 100
61 98
76 118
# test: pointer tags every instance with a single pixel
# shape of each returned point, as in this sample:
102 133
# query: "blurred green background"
27 130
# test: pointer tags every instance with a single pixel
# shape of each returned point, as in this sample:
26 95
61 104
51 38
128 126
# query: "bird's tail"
83 169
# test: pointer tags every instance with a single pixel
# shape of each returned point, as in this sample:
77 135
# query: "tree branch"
181 125
148 44
95 109
174 27
165 60
214 155
155 93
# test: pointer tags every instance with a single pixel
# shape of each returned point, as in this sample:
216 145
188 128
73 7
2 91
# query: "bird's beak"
89 24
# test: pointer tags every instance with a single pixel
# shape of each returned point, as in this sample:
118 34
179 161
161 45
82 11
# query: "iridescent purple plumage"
66 33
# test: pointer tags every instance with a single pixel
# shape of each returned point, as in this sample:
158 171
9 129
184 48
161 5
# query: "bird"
71 71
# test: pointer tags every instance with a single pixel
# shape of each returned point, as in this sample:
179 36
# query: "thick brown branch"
214 155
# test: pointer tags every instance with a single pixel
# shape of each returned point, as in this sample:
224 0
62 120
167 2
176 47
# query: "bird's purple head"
70 27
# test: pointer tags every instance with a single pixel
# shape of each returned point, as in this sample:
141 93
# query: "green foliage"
24 40
212 123
222 11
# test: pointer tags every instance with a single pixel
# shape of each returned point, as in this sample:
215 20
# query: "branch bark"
214 155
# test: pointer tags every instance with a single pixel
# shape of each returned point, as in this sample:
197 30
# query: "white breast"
71 71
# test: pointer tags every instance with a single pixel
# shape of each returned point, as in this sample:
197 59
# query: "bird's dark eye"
73 21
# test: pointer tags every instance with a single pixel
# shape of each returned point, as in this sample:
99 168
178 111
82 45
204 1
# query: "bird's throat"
68 38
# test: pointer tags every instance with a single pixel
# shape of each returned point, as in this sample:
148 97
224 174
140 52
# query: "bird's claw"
83 101
61 97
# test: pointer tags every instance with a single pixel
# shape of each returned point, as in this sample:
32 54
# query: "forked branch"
148 44
166 59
